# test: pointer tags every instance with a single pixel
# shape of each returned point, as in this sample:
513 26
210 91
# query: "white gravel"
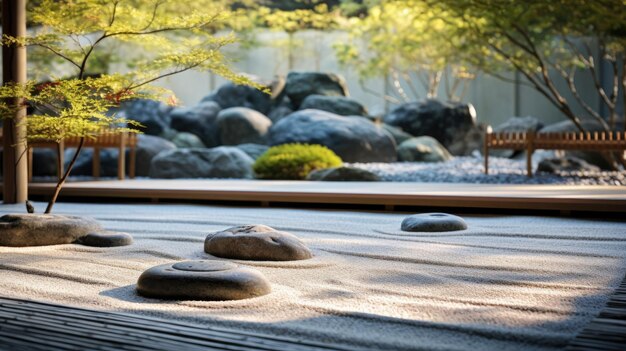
470 169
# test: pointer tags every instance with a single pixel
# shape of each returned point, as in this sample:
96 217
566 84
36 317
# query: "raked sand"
506 283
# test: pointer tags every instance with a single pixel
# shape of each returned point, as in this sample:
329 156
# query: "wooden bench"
531 141
106 139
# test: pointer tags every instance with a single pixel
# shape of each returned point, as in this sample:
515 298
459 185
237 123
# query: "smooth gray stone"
565 165
202 280
219 162
353 138
340 105
106 239
423 149
343 174
448 122
41 229
433 222
241 125
256 242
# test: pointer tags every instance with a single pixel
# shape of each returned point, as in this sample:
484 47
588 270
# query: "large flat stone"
256 242
44 229
433 222
202 280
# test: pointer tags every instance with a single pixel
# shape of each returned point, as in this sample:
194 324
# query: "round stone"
202 280
44 229
256 242
204 266
433 222
106 239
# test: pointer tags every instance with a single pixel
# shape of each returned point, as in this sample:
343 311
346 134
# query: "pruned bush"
294 161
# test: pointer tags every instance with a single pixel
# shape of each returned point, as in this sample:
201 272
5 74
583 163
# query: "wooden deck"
30 325
607 332
390 195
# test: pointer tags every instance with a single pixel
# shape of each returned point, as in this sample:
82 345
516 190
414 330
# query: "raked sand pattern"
506 283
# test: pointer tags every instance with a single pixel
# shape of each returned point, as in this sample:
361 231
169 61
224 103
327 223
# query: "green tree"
172 36
320 17
409 42
547 42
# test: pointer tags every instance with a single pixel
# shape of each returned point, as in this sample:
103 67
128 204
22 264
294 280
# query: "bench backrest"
565 140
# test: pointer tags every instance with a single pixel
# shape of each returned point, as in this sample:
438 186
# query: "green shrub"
294 161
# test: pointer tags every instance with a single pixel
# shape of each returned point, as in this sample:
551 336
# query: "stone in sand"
106 239
44 229
202 280
343 174
256 242
433 222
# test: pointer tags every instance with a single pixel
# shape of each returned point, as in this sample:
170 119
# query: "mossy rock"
294 161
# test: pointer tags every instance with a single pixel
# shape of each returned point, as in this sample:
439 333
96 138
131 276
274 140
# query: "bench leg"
95 165
529 162
486 156
121 163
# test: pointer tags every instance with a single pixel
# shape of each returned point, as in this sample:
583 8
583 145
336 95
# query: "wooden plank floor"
29 325
531 197
607 332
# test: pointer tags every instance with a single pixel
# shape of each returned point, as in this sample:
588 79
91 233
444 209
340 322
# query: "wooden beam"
15 164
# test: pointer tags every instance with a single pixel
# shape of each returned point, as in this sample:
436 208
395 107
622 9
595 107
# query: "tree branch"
58 53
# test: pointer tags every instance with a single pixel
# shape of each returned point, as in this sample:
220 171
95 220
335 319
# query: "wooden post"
121 158
530 140
15 163
486 148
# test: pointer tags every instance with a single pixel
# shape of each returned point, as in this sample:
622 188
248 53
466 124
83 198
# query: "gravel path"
471 170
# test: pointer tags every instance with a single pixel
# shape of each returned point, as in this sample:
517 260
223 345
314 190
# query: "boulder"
343 174
299 85
148 147
219 162
520 125
281 111
594 158
354 139
240 125
44 229
153 115
433 222
211 280
516 125
448 122
422 149
253 150
106 239
565 165
339 105
398 134
234 95
256 242
469 144
200 120
187 140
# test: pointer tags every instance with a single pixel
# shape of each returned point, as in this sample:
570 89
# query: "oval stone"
202 280
256 242
433 222
44 229
106 239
